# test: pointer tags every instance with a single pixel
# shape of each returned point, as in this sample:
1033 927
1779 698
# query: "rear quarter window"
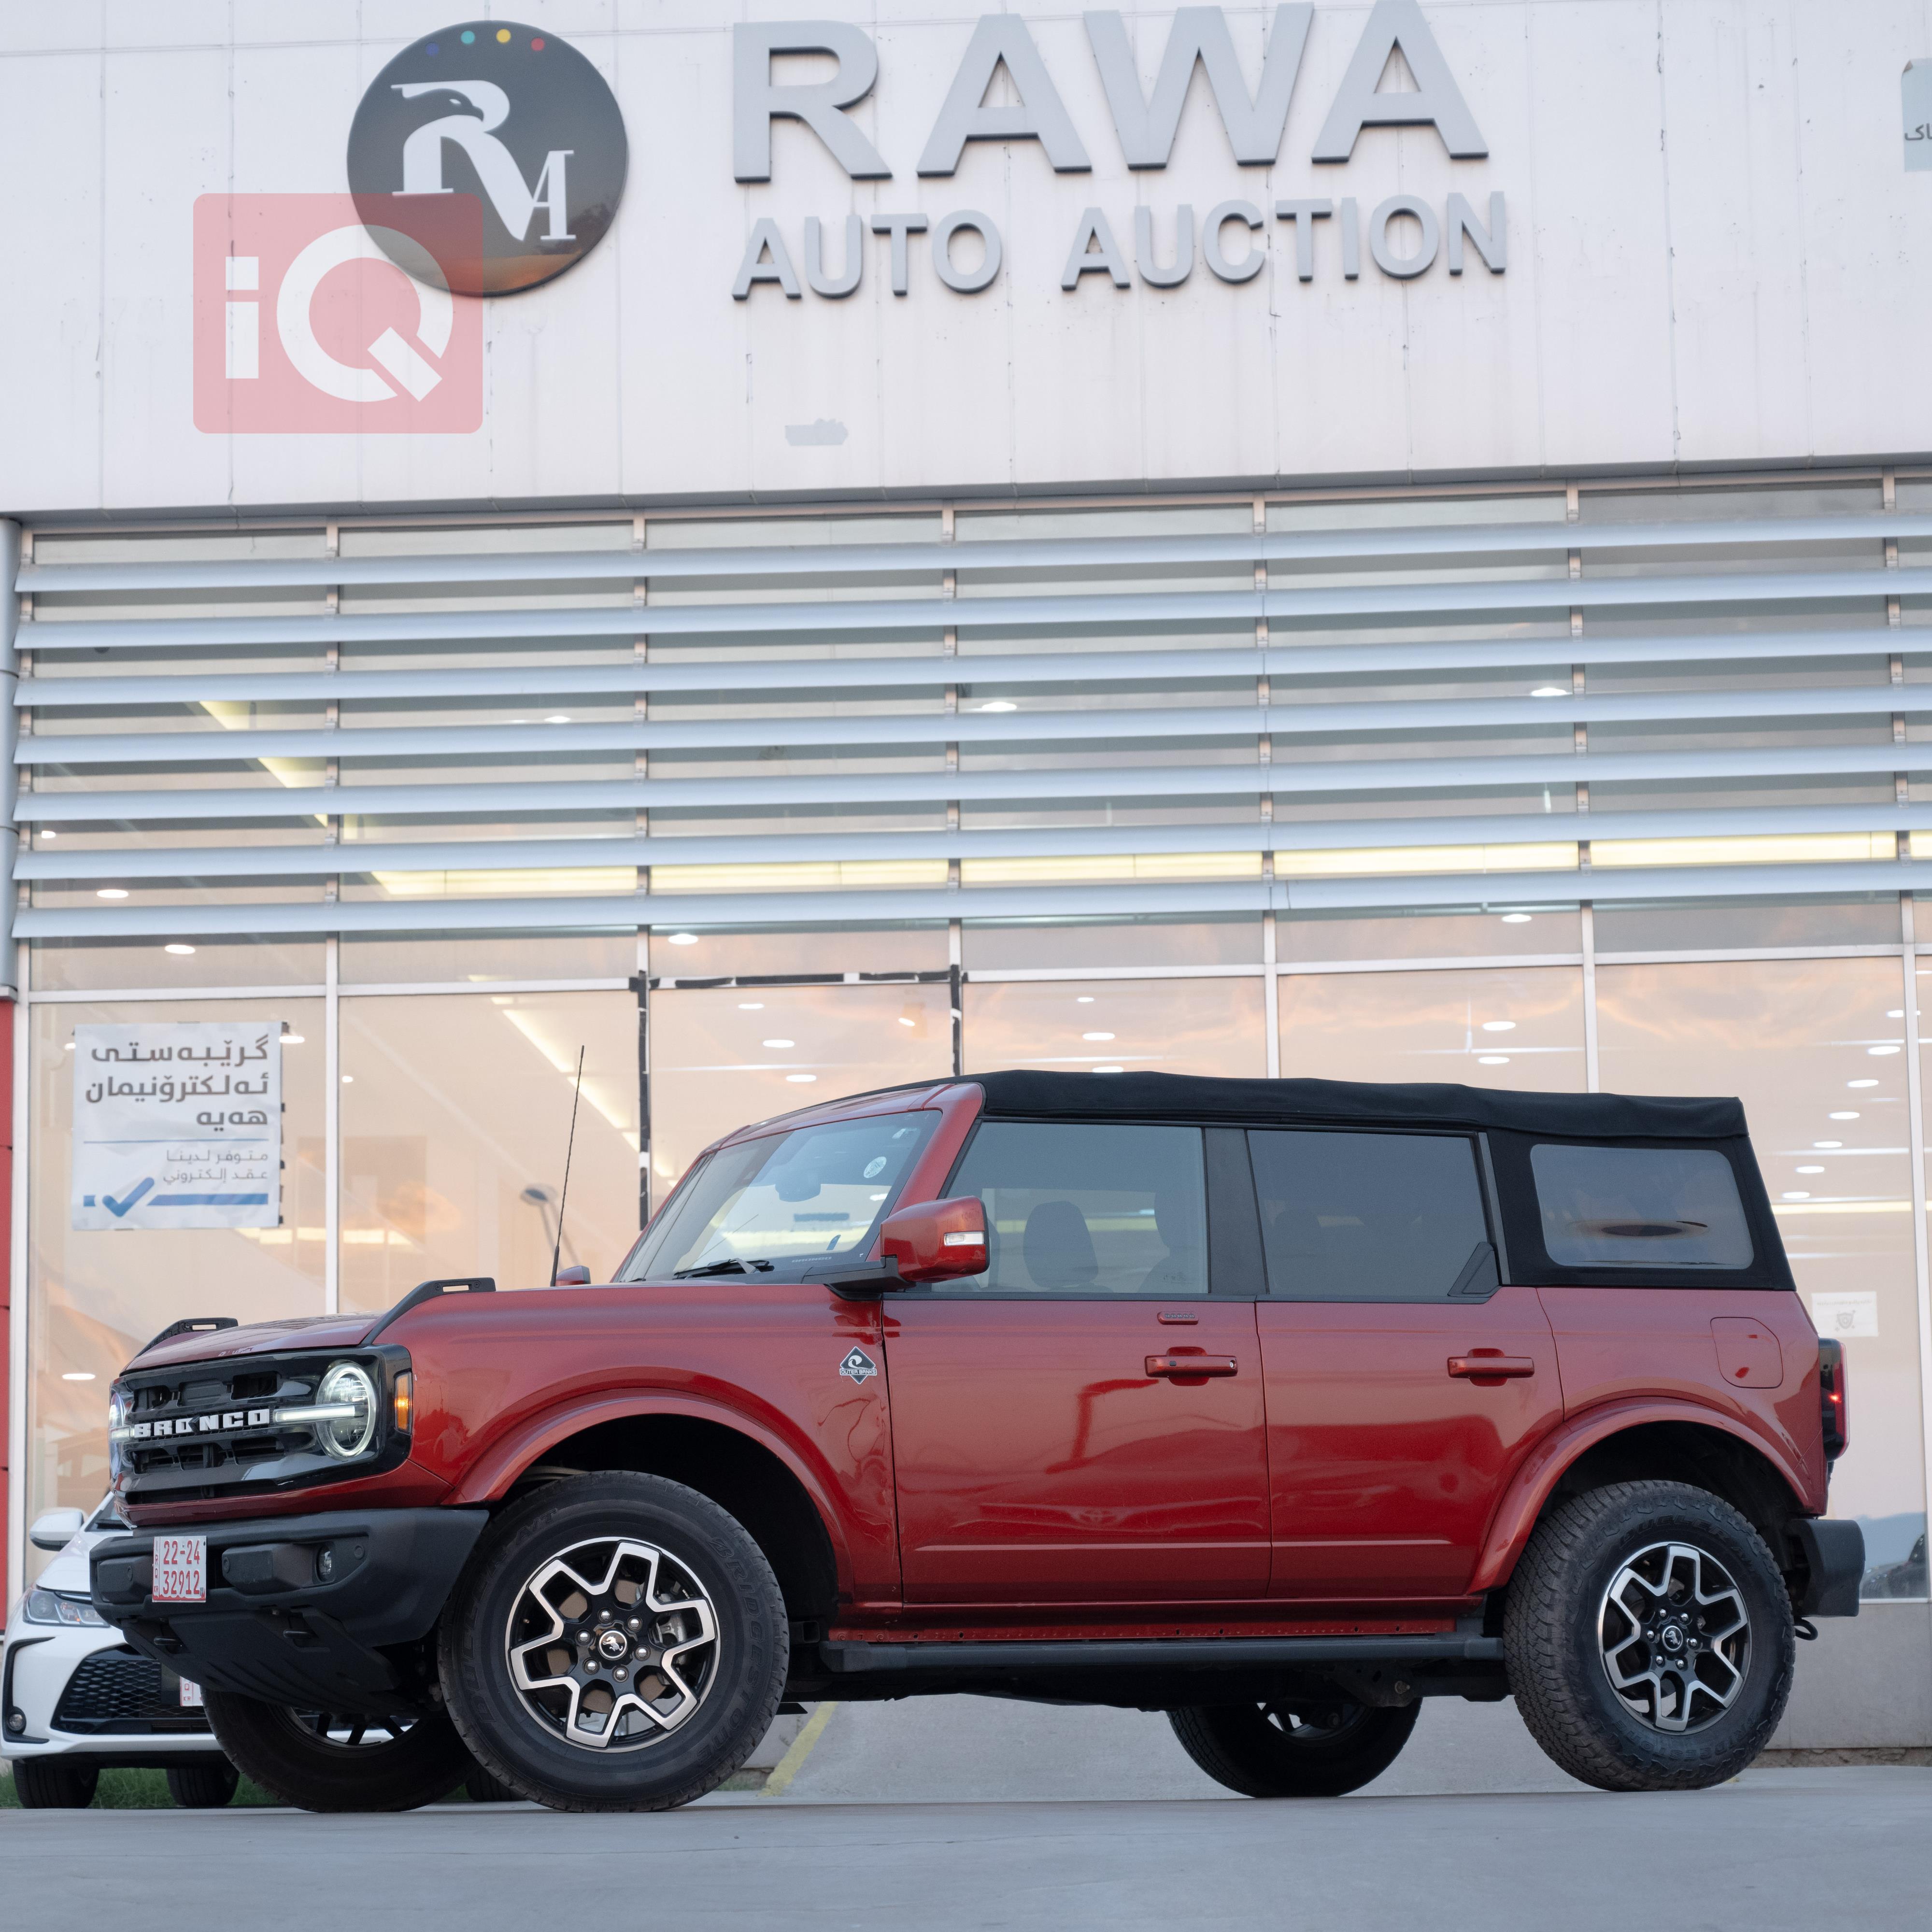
1639 1208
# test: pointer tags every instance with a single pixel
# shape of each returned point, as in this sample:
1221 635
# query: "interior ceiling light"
1828 1144
684 939
750 1005
77 1375
999 704
1880 1052
801 1079
1110 1069
1516 919
1499 1026
1096 1036
47 832
1549 690
1492 1060
1811 1170
779 1042
1860 1083
905 1021
178 949
111 892
1797 1195
295 1038
1840 1116
1083 999
561 717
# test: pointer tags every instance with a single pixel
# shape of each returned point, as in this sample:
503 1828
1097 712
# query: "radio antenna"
563 1199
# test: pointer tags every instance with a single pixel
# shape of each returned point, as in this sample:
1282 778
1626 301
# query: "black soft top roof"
1194 1097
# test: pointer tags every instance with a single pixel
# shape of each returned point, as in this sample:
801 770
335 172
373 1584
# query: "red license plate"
181 1569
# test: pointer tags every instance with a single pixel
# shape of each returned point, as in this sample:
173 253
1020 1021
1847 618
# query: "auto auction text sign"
178 1125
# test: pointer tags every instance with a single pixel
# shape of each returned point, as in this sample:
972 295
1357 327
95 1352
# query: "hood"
304 1331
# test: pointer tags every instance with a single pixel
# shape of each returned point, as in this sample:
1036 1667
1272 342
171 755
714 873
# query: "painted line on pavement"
789 1766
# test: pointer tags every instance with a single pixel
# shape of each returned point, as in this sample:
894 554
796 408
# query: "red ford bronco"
1275 1405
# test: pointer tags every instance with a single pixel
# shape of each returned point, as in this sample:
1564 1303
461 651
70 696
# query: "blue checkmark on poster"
135 1193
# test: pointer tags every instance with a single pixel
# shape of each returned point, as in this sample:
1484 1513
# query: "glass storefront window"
95 1297
722 1057
1815 1048
1507 1026
677 953
103 965
455 1120
1460 933
1034 944
450 958
1687 926
1160 1026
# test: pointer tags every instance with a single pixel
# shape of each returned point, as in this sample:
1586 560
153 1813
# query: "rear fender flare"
1530 1489
490 1476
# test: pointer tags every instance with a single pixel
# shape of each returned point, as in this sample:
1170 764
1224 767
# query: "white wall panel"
1715 255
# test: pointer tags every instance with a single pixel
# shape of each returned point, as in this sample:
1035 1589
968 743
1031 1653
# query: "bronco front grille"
192 1431
122 1693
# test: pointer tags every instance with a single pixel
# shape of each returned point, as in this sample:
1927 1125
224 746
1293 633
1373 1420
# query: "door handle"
1192 1365
1492 1368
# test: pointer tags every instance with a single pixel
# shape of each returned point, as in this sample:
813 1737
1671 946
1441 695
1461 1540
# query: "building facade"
1359 541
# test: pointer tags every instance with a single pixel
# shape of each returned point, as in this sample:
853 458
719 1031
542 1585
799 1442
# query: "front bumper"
77 1692
273 1627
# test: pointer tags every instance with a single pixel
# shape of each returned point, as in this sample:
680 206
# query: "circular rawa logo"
513 116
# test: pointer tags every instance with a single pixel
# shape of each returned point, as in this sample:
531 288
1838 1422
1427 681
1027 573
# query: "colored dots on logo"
469 38
503 33
536 44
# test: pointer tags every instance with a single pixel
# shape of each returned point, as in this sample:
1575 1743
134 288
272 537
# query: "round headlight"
347 1387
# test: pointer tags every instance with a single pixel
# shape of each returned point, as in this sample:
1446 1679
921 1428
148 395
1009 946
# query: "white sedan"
75 1700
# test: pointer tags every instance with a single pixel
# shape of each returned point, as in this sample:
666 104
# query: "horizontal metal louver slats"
672 564
1115 712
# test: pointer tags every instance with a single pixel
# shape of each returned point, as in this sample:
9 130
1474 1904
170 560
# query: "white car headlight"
56 1607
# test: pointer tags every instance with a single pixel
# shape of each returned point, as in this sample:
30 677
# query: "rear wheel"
618 1643
326 1761
1648 1638
202 1787
54 1783
1297 1748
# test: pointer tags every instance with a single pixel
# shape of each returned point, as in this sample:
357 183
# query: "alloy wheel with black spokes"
1649 1637
617 1642
1317 1745
339 1760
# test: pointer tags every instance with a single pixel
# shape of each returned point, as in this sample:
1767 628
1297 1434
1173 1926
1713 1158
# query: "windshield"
785 1199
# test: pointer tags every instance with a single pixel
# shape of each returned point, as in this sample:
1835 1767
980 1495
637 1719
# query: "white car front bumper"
81 1692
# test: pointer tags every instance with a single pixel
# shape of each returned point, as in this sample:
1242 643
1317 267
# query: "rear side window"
1645 1207
1080 1208
1371 1217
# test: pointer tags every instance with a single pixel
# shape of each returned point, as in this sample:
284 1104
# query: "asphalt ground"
965 1813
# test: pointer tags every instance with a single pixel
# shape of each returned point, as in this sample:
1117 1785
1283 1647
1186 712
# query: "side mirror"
936 1240
578 1276
54 1528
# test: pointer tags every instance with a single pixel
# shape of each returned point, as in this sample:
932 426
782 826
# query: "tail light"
1832 1402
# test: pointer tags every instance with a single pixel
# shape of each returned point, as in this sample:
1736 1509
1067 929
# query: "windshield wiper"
734 1266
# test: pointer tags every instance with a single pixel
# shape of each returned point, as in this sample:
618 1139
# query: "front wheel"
1648 1638
618 1643
1297 1748
54 1783
326 1761
202 1787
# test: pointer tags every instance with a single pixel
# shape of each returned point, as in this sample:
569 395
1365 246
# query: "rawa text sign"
178 1125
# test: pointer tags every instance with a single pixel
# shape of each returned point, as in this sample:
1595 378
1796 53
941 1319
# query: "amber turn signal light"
406 1402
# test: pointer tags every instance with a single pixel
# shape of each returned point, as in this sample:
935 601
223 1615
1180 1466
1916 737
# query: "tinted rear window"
1646 1207
1368 1217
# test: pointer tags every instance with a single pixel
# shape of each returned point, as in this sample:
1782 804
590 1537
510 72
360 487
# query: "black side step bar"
847 1659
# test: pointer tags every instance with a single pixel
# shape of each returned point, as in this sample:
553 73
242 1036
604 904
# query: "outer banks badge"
859 1366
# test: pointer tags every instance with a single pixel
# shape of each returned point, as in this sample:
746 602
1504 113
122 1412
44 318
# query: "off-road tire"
740 1697
1551 1653
54 1783
202 1787
1239 1745
293 1762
